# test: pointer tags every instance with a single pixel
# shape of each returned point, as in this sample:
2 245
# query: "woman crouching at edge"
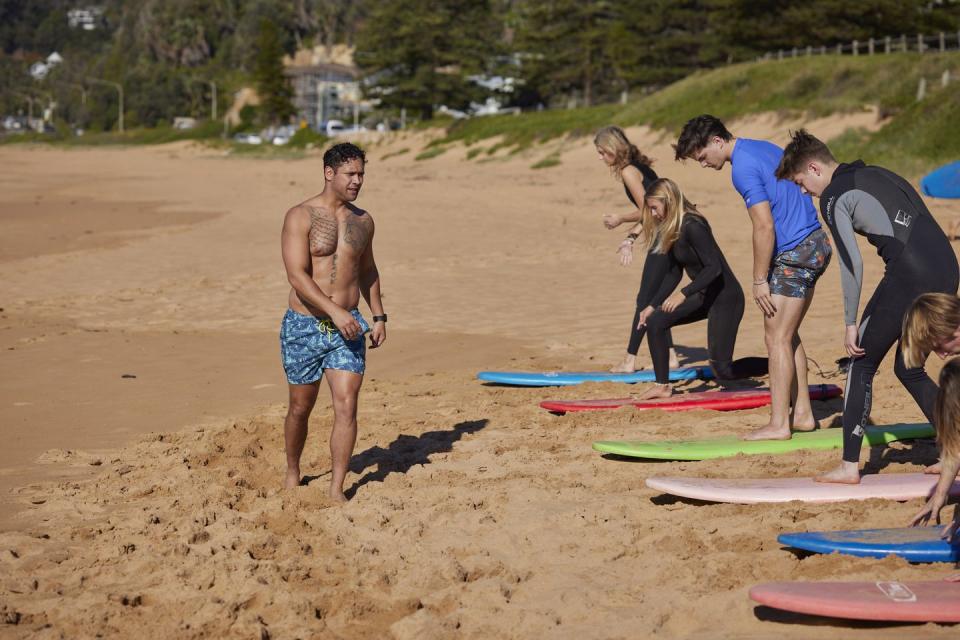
932 325
946 418
673 227
632 168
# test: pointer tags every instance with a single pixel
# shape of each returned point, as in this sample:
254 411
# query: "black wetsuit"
655 267
876 203
713 294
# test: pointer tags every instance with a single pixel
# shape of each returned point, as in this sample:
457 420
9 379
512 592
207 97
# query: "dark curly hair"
342 153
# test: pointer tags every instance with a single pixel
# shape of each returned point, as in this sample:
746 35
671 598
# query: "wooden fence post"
943 42
779 54
921 89
920 44
870 46
839 49
945 78
856 47
903 42
886 44
809 51
823 50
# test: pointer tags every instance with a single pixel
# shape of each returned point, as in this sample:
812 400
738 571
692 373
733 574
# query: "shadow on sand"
923 452
769 614
687 355
405 452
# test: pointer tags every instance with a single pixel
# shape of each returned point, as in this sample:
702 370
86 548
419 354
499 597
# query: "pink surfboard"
889 486
714 400
929 601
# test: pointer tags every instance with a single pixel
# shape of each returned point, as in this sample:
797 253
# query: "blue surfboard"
943 182
915 544
567 378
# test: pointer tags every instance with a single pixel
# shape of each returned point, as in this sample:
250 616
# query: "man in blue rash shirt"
887 210
790 252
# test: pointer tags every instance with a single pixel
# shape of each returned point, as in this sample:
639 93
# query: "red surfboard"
715 400
891 601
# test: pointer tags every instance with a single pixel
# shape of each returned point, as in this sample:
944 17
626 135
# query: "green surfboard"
732 445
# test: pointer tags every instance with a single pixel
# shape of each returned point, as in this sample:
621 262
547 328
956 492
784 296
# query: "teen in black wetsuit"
856 199
634 169
673 228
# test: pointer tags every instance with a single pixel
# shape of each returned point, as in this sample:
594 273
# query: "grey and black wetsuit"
713 294
887 210
655 267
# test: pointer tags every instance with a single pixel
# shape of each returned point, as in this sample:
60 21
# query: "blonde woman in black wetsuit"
631 167
673 228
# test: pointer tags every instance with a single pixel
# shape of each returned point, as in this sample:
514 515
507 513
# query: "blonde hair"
613 140
946 412
931 321
659 237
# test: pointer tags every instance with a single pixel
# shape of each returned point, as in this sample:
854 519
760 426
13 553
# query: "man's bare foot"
933 469
337 495
846 473
768 432
292 479
655 392
804 423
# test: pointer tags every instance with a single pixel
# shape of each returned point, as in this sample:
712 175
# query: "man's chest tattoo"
323 232
356 234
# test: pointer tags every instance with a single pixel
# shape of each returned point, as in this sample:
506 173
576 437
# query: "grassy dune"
917 136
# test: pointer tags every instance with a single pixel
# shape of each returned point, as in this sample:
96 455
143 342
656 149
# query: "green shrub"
551 160
306 136
394 154
431 152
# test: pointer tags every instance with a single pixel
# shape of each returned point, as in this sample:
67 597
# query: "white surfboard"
889 486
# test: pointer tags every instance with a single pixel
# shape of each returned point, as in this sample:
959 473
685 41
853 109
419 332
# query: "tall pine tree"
564 46
273 87
418 53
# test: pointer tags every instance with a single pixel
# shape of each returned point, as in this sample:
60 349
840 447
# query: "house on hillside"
326 86
324 92
87 18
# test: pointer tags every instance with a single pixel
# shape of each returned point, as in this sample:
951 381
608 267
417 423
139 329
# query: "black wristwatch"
382 318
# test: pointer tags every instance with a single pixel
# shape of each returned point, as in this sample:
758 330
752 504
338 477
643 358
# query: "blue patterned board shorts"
794 272
308 345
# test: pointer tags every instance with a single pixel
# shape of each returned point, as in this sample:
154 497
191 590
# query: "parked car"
334 127
282 135
247 138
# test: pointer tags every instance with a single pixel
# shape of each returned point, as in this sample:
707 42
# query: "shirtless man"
327 246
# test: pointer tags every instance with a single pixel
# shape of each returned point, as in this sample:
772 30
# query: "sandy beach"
142 403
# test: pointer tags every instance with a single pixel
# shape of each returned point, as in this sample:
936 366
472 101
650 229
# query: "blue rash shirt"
754 163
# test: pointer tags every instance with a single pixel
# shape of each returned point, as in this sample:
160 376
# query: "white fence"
920 43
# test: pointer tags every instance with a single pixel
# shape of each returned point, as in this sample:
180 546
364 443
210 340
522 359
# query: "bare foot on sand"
655 392
337 495
674 361
846 473
768 432
292 479
627 365
933 469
